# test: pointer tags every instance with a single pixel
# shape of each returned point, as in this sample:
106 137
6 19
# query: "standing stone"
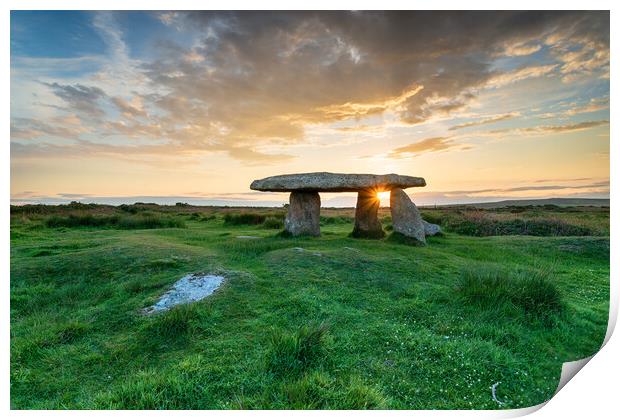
303 217
431 229
367 224
406 218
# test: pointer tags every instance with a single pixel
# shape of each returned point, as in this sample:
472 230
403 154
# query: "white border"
594 393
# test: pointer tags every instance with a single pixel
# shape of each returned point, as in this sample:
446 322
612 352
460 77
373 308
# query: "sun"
384 198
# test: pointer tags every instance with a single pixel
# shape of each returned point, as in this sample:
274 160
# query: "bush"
144 221
244 218
129 208
273 223
530 291
432 217
337 220
293 353
74 220
480 224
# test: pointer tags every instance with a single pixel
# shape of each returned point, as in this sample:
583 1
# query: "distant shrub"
432 217
272 222
129 208
76 205
244 218
143 221
335 220
74 220
529 290
292 353
480 224
150 222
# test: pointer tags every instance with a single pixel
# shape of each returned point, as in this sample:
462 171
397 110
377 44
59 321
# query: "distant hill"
562 202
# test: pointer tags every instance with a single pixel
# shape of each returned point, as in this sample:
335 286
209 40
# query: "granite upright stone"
367 224
406 218
303 217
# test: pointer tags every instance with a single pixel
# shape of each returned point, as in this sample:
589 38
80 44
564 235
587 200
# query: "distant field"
502 298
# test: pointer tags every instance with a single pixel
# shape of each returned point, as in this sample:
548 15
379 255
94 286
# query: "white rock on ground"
190 288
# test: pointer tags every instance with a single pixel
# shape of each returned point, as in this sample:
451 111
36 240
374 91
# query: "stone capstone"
406 218
367 224
303 217
332 182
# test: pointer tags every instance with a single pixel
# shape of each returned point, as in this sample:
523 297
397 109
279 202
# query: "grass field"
329 322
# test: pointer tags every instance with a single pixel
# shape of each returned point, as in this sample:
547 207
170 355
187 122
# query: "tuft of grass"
172 324
360 396
67 333
531 291
317 390
292 353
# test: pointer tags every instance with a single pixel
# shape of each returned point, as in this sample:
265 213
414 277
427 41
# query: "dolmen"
303 217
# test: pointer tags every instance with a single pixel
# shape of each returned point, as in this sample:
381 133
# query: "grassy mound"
429 327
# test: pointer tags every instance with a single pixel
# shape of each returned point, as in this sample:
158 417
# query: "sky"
119 107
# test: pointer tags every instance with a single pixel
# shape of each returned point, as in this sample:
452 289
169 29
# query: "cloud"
487 120
553 129
68 127
80 98
433 144
524 188
522 49
130 109
523 73
249 80
594 105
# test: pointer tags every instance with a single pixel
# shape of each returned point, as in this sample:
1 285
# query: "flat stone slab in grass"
332 182
190 288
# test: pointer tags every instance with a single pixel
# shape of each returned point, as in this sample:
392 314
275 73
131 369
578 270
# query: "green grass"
329 322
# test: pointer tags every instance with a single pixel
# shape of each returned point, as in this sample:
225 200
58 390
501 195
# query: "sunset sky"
116 107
